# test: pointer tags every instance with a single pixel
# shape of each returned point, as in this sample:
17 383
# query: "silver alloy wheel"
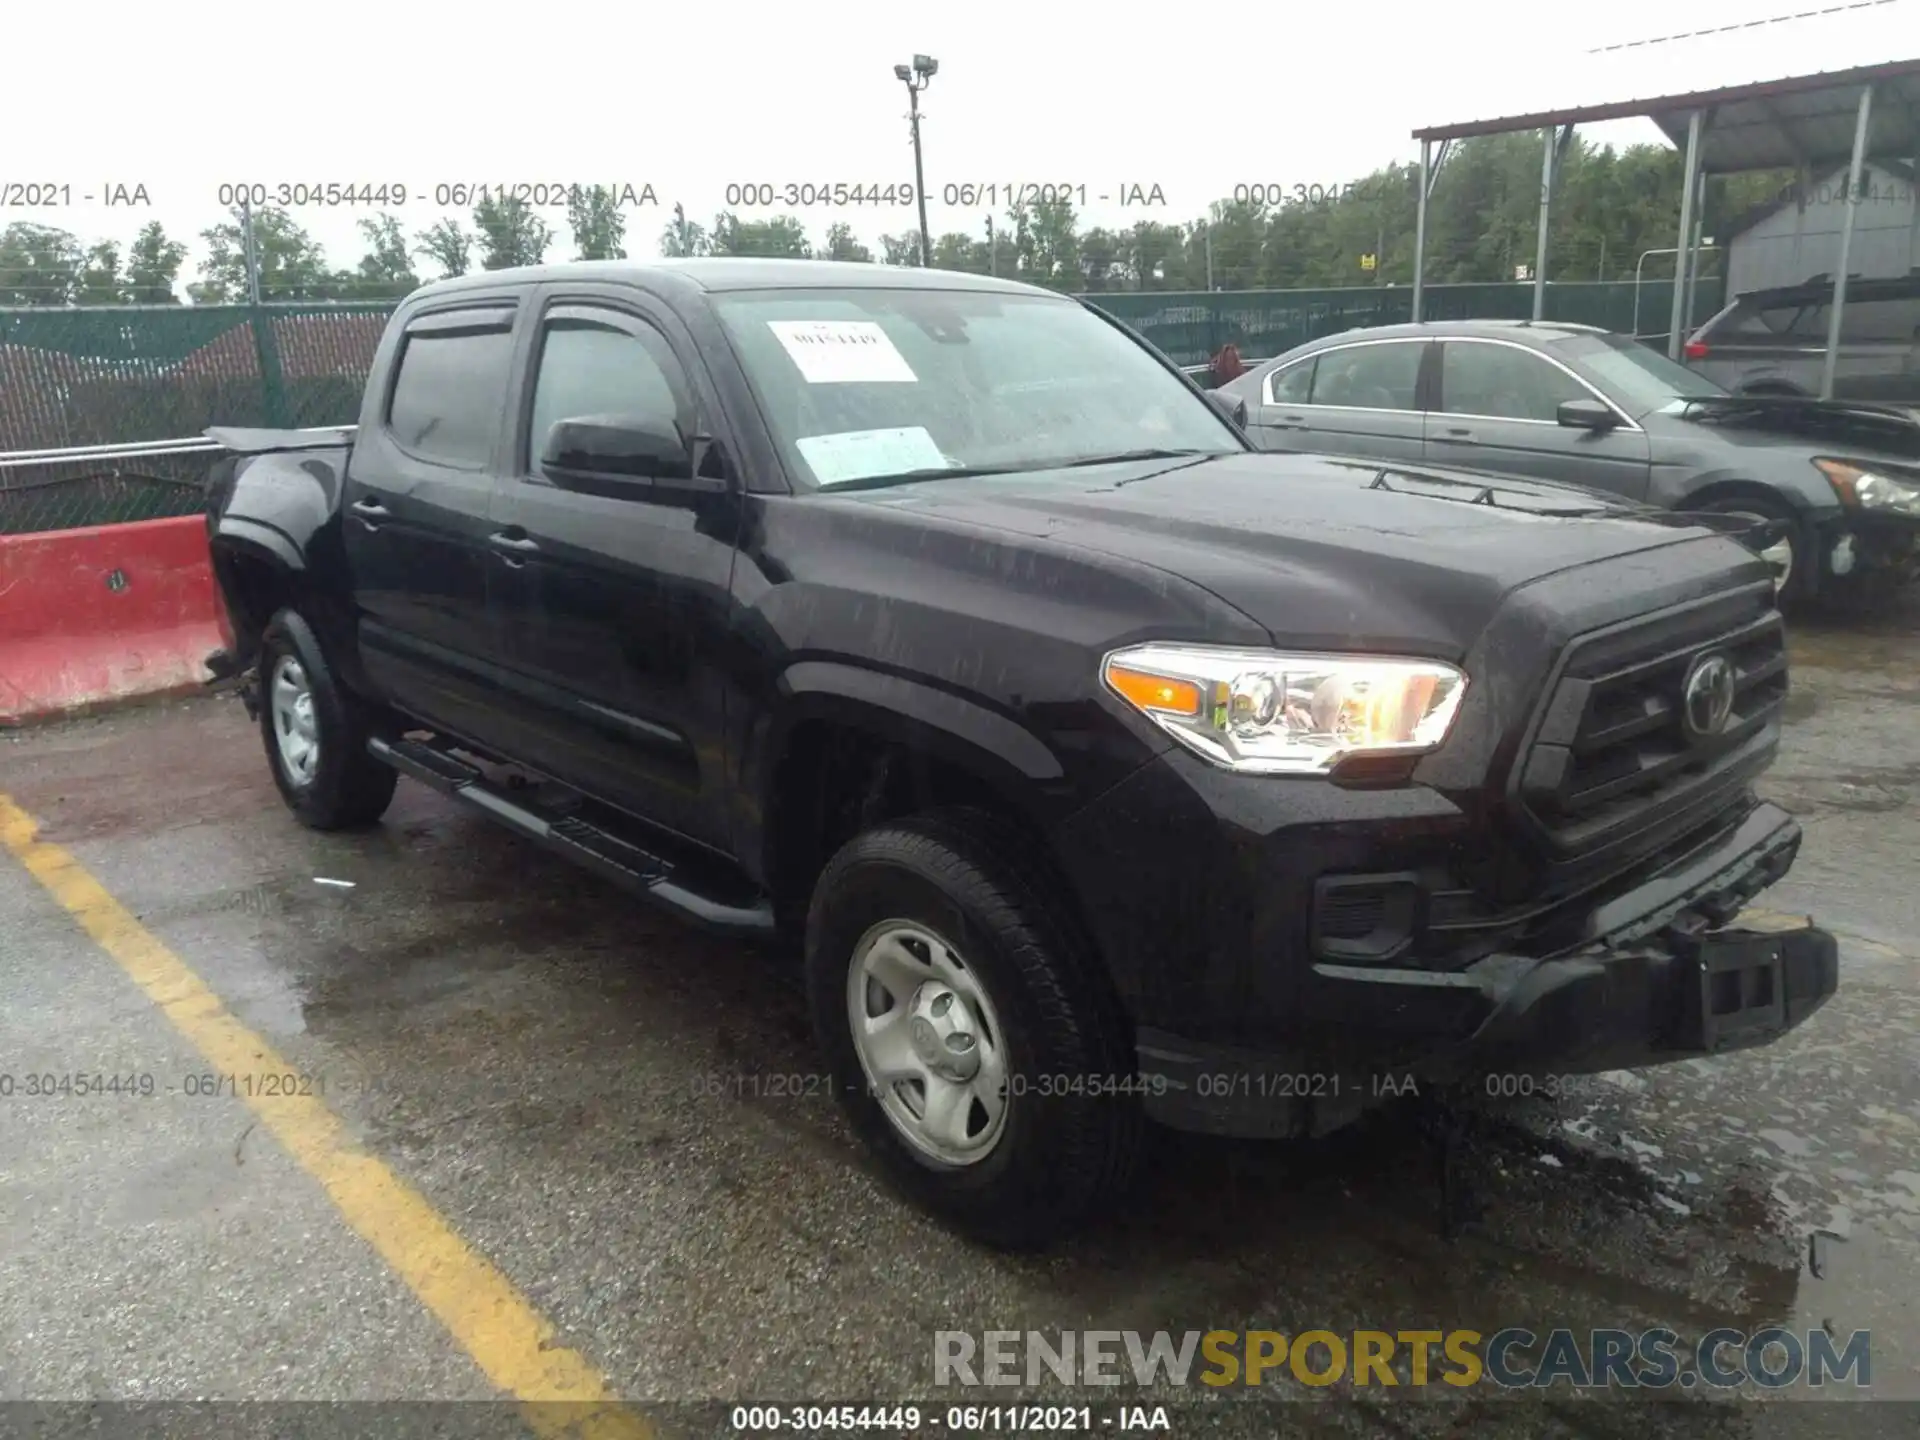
295 728
929 1041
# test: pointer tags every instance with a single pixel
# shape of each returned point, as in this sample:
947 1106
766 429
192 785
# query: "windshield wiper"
928 472
1121 456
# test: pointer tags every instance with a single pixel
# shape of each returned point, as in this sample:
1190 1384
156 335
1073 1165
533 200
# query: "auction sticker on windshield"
857 454
840 352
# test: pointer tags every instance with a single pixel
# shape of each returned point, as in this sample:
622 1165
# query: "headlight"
1871 489
1278 714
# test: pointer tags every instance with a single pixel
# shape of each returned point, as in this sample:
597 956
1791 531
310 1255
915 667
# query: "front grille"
1611 756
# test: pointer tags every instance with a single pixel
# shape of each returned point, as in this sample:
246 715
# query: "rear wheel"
972 1040
316 733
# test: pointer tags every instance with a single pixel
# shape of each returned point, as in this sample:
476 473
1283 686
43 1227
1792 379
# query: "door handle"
513 542
1455 432
369 510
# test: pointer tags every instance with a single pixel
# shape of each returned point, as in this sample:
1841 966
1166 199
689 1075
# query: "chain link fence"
139 375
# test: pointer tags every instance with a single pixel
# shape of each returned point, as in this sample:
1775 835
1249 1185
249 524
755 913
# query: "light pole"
915 78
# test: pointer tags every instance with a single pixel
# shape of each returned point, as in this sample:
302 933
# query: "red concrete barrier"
103 614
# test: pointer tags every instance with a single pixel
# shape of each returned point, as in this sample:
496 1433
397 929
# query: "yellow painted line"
560 1392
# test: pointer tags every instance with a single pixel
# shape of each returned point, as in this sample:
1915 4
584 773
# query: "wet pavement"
558 1071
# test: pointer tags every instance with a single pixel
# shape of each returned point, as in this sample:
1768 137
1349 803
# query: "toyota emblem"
1707 696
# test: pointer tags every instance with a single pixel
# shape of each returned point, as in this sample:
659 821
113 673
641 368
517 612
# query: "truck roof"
741 272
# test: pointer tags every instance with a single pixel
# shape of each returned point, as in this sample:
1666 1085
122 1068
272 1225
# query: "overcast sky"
182 97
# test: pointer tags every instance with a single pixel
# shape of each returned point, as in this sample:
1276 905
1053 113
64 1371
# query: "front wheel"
1791 565
973 1043
316 733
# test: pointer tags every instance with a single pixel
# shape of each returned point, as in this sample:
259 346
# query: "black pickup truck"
1107 768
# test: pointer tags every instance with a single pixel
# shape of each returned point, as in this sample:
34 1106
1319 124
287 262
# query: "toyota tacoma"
1102 767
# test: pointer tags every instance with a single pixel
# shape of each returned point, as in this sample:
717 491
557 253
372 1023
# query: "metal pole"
1913 210
1420 224
1693 249
1546 213
250 252
1689 180
1206 234
1862 121
993 250
920 178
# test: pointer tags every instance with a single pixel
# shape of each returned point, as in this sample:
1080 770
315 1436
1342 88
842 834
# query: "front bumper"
1660 976
1850 544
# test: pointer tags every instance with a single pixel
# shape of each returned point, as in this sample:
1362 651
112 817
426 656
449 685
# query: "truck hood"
1322 551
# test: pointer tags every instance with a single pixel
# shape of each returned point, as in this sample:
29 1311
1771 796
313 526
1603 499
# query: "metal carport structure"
1809 122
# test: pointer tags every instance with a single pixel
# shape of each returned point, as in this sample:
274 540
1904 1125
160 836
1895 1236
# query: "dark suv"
1774 342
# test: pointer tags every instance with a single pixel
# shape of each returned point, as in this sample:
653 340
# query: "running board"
643 872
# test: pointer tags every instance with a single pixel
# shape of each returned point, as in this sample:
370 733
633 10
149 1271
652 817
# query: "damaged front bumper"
1664 976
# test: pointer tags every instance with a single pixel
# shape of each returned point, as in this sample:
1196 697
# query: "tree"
386 271
842 245
597 223
448 246
781 236
684 237
39 265
957 250
153 267
510 233
292 265
101 282
901 249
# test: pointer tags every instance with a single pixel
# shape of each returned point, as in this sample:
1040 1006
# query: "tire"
337 785
1799 563
1068 1138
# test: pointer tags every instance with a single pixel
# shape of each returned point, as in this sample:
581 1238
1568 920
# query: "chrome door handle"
511 543
369 508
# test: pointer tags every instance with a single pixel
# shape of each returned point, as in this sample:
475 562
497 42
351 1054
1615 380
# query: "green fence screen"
111 375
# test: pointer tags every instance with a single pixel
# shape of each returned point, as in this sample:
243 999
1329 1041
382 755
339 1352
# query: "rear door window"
1370 377
1292 384
451 386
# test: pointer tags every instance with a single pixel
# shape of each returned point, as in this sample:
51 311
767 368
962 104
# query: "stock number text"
751 194
814 1418
1272 194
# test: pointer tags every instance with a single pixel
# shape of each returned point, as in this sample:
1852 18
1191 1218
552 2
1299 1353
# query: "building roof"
1751 123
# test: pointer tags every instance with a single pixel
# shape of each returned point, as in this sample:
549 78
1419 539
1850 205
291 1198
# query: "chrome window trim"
1626 420
1266 385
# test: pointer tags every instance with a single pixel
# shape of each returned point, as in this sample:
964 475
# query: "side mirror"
1234 407
1586 415
620 456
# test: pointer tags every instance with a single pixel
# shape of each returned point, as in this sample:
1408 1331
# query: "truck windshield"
1636 377
859 385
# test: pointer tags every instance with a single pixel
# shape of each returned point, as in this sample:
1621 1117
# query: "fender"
1006 756
278 508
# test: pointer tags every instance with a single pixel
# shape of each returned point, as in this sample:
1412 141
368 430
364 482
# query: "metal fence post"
273 388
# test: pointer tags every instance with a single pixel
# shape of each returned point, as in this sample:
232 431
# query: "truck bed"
243 441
